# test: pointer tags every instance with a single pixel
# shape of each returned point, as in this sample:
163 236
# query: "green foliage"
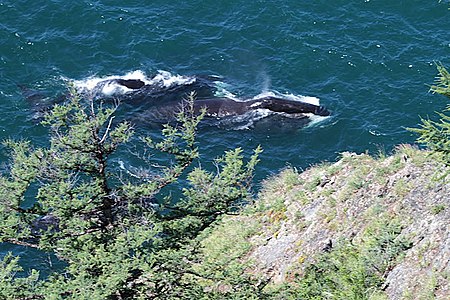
352 270
119 241
12 287
436 134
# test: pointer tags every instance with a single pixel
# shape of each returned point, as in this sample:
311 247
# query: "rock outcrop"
394 210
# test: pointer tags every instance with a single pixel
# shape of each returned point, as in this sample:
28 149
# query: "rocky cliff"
379 227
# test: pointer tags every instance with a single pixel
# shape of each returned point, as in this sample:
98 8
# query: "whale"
155 102
232 113
223 106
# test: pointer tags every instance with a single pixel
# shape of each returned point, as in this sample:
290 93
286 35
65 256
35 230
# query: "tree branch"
21 243
107 130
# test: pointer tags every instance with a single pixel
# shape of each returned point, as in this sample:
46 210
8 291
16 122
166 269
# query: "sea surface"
370 62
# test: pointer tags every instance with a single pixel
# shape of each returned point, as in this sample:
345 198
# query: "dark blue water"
368 61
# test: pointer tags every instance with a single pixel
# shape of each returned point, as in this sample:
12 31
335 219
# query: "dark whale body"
222 107
131 83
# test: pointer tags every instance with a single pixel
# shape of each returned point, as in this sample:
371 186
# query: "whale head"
322 111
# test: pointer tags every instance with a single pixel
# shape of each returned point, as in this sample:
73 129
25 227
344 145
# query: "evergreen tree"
118 242
436 134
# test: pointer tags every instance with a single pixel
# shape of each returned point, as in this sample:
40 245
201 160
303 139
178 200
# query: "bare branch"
22 243
107 130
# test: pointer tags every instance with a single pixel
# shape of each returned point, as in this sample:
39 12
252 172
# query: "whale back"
221 107
289 106
131 83
226 107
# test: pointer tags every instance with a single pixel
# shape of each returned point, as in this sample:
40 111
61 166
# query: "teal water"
368 61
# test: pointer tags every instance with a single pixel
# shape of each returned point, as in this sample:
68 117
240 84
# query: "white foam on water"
247 120
167 79
107 85
315 119
264 95
222 90
110 89
306 99
309 99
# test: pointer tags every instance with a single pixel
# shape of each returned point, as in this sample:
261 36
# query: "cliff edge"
379 227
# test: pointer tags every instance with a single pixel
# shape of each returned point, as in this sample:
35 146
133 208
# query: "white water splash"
222 90
300 98
315 119
167 79
108 86
247 120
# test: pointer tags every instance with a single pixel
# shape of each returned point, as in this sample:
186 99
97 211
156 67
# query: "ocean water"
370 62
